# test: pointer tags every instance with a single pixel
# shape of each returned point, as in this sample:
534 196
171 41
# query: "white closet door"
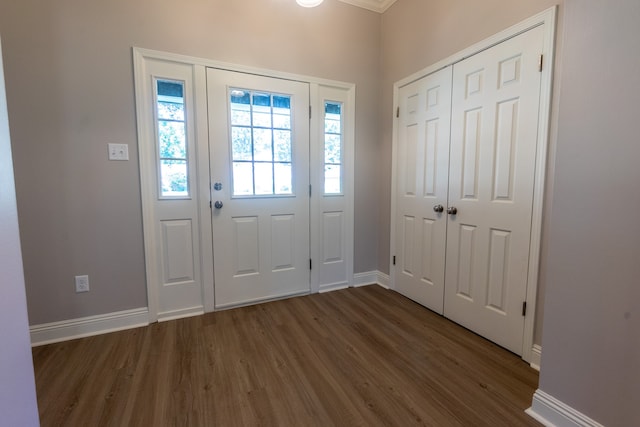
422 174
493 150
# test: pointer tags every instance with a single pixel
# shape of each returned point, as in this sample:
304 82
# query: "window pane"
281 112
172 140
264 178
331 125
240 108
240 117
332 149
262 145
282 178
170 88
261 100
332 181
174 177
282 145
170 110
262 110
282 102
261 119
241 143
240 97
333 108
242 178
281 121
333 117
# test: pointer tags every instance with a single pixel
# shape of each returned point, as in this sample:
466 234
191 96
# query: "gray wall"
591 356
18 406
70 93
419 33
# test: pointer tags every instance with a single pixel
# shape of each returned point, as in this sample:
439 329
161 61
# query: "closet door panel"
494 122
422 175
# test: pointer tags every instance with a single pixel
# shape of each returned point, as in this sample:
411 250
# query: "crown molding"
375 5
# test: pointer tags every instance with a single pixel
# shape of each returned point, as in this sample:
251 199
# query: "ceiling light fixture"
309 3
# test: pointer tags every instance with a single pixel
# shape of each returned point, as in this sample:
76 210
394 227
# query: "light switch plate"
118 152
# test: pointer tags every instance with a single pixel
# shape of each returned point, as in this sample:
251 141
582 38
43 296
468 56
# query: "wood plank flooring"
355 357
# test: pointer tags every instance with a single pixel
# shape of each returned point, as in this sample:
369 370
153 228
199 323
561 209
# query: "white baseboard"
371 278
536 356
65 330
363 279
180 314
383 280
551 412
333 287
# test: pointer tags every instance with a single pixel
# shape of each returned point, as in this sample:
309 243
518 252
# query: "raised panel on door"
422 165
177 252
244 240
332 231
494 126
283 242
179 285
259 147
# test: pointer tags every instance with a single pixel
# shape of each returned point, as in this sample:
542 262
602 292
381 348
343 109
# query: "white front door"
421 191
259 148
494 130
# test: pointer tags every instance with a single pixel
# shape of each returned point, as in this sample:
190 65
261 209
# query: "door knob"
452 210
217 186
438 208
218 204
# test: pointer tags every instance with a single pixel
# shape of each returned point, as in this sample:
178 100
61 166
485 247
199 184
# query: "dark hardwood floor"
355 357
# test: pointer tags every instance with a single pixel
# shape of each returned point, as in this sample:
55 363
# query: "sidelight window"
172 139
333 147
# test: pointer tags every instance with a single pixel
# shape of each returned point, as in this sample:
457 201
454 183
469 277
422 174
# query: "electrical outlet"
118 152
82 284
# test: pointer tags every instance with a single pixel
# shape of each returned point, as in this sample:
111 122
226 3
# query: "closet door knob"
438 208
452 210
217 204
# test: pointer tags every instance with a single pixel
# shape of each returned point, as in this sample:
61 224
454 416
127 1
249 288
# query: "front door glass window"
261 143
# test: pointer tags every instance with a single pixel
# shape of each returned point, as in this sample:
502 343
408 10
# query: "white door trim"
148 173
546 19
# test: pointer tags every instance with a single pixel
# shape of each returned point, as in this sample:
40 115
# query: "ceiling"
374 5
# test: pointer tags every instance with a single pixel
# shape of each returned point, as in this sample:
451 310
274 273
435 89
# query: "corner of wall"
552 412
